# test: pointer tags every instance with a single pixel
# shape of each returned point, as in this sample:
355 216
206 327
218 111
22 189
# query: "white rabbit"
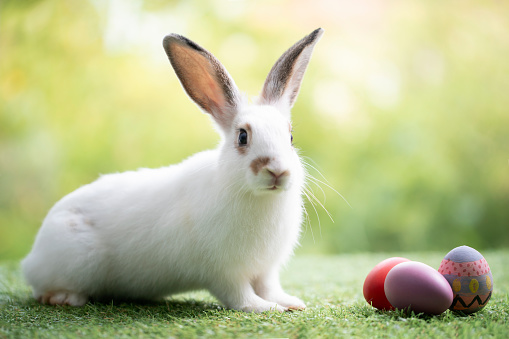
224 220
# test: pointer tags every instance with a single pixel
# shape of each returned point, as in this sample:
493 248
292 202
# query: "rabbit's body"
224 220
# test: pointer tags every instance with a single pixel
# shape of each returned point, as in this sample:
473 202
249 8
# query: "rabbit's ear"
204 79
284 79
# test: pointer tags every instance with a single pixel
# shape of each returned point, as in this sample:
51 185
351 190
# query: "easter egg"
470 278
418 287
373 288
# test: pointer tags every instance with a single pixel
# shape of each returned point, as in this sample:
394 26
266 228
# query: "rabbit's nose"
277 176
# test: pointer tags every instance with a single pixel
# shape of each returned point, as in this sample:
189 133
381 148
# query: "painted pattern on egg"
470 278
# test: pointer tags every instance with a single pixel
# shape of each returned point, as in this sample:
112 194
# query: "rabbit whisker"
313 205
317 201
317 181
314 181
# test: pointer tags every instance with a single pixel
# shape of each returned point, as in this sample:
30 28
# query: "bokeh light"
403 109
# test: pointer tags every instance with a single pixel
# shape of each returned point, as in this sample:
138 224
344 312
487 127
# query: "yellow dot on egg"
456 285
488 282
474 285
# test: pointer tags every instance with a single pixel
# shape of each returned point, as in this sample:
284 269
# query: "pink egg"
418 287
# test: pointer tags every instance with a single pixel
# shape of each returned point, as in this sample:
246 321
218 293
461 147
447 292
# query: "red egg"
418 287
373 288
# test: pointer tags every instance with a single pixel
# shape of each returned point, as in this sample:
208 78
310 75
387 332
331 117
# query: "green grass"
331 286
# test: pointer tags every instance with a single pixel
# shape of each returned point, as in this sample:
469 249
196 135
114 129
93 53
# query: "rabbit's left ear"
204 79
283 82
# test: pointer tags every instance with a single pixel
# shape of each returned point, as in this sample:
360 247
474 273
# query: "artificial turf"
330 285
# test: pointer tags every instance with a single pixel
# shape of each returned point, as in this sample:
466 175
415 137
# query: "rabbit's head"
257 151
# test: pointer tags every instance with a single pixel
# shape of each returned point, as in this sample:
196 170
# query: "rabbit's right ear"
204 79
283 82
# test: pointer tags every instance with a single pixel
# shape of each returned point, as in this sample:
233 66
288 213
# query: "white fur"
209 222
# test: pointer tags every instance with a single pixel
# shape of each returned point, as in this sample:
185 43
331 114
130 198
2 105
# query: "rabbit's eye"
291 138
242 137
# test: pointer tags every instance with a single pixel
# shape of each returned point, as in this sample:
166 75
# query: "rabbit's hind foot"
63 298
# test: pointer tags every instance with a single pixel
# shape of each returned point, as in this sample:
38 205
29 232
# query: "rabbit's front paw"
262 306
290 302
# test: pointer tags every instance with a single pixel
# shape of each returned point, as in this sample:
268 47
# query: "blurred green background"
404 109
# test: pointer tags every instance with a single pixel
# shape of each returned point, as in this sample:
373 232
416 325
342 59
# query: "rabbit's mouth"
276 187
271 188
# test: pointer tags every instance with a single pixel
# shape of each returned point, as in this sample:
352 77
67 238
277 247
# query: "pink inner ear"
196 74
215 94
200 81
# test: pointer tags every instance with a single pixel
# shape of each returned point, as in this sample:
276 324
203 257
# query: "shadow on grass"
178 308
405 315
123 311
